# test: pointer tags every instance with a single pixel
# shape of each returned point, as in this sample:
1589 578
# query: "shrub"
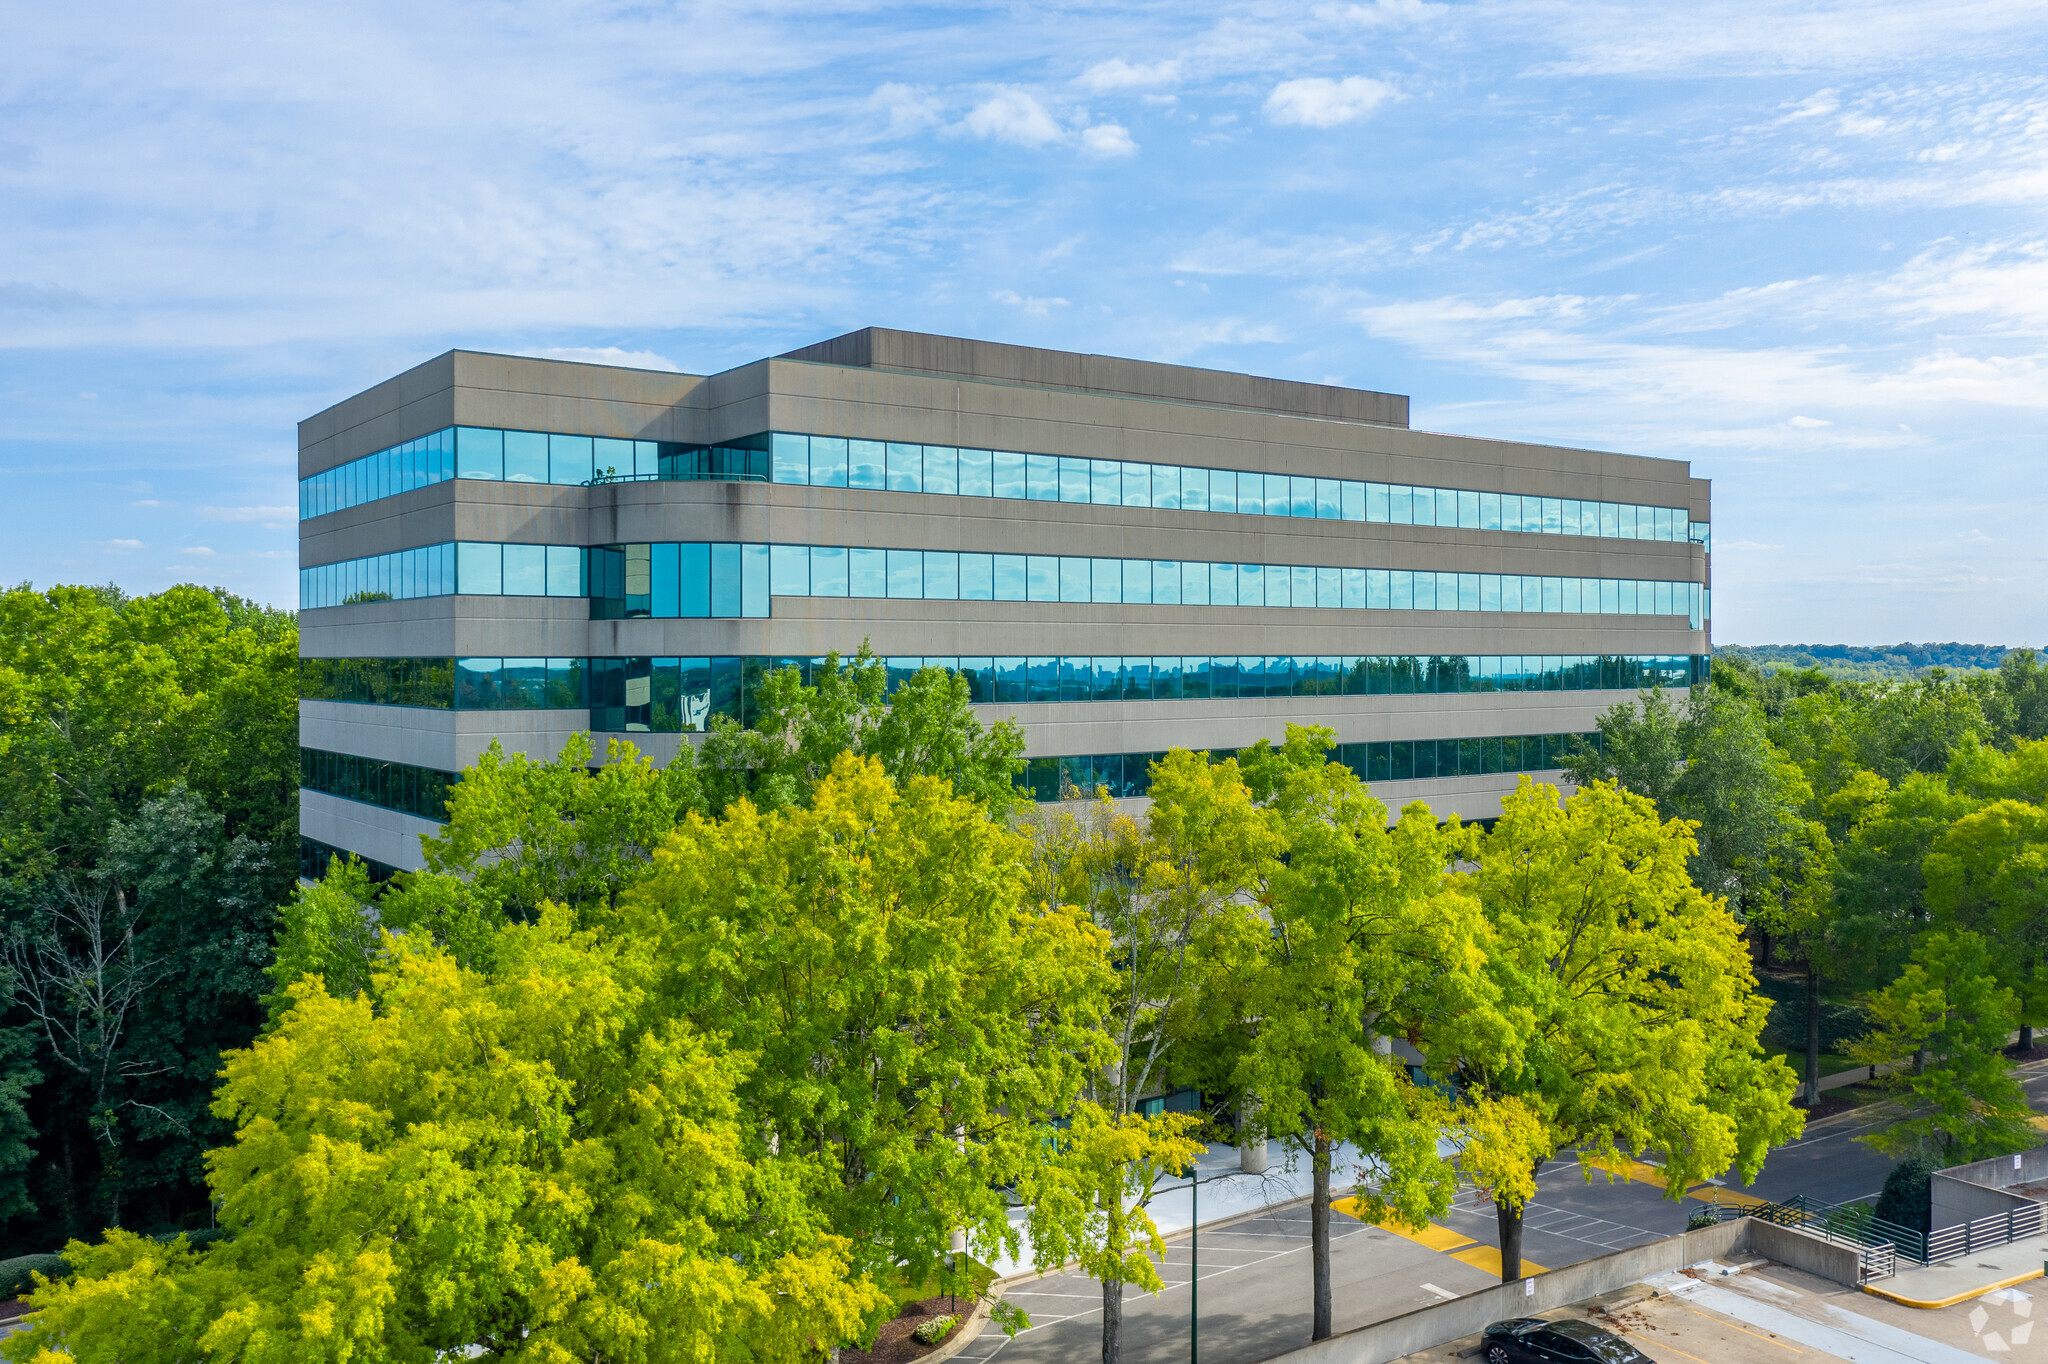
1701 1219
17 1275
934 1331
1906 1200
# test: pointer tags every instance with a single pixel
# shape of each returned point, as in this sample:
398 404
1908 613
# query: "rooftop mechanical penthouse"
1125 557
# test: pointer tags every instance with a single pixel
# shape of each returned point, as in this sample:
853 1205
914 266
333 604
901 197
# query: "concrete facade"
904 387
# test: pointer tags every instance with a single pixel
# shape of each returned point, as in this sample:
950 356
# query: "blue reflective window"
829 468
479 569
1010 575
828 571
1073 574
790 458
1073 479
754 580
1009 473
727 586
790 571
867 464
1194 584
1626 520
526 570
906 467
942 470
1355 591
665 580
977 577
569 459
1329 500
1278 500
1301 497
976 474
1223 585
1137 586
1378 502
1610 520
941 575
1105 482
1166 582
1553 516
1329 587
1137 481
1042 478
565 571
1166 486
1106 577
1222 490
526 457
867 573
1194 489
1041 577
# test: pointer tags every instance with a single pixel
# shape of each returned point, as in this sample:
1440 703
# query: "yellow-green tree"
1361 938
528 1164
1161 894
1632 999
914 1021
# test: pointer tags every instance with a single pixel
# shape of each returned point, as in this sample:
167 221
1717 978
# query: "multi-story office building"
1126 557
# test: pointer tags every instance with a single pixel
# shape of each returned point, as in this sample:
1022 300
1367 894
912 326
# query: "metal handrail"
1852 1225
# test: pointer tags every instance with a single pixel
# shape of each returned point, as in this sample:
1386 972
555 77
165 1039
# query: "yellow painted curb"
1488 1259
1433 1236
1904 1301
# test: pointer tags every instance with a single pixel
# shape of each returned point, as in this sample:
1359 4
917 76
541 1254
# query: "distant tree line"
1869 662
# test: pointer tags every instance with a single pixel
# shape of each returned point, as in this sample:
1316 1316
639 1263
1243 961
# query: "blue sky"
1802 246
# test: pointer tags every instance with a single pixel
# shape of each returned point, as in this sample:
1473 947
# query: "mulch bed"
10 1308
895 1345
1829 1105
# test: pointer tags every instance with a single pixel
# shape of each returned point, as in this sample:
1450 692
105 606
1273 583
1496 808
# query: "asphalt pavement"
1254 1284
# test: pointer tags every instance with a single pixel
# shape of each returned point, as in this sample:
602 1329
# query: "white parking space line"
1846 1335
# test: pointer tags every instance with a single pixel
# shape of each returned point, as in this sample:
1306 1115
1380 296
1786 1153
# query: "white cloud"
910 109
1382 13
605 355
1031 307
1807 423
121 546
1118 74
1319 102
242 513
146 502
1108 141
198 552
1014 116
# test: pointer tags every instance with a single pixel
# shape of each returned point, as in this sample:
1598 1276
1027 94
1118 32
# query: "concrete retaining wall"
1964 1193
1431 1326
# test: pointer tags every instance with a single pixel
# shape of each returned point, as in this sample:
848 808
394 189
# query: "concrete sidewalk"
1966 1276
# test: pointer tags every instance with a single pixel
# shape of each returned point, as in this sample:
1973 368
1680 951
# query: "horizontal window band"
716 580
493 454
683 694
409 790
314 857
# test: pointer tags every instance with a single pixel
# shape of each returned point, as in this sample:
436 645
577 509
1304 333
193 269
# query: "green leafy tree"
1363 938
148 751
1944 1023
1633 1005
1163 894
1988 872
526 1163
915 1022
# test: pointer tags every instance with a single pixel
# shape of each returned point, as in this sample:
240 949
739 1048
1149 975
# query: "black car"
1532 1340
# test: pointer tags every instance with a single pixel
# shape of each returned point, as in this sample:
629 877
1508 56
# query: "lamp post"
1194 1186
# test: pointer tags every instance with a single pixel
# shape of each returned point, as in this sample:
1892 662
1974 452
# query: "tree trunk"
1812 1033
1112 1321
1319 1236
1510 1222
2026 1037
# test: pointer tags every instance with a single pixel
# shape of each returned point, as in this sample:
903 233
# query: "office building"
1125 557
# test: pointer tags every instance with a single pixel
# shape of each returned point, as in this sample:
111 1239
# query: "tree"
172 717
1948 1015
1632 1000
1988 872
915 1021
1362 938
1162 896
522 1163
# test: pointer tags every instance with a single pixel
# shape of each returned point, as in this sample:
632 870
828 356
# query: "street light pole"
1195 1183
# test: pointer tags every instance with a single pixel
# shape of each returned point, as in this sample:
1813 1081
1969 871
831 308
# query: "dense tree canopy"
148 830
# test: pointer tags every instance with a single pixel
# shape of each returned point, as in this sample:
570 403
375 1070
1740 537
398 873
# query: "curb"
1025 1275
1904 1301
